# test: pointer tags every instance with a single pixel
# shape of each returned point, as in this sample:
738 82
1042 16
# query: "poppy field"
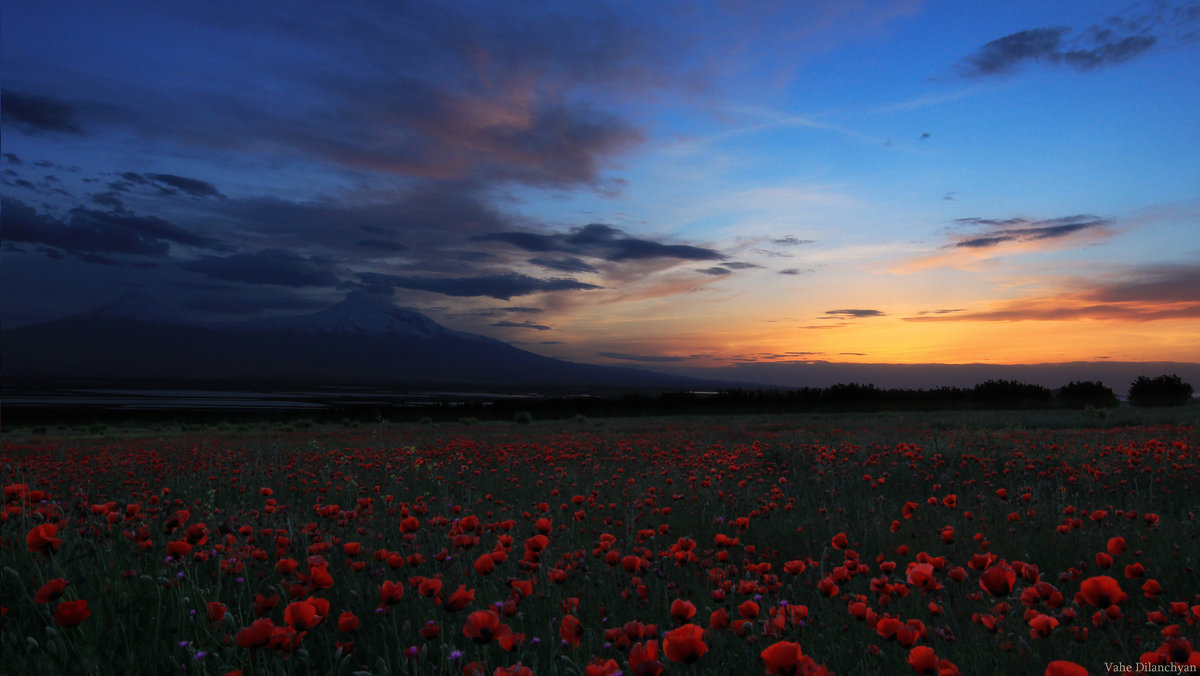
769 545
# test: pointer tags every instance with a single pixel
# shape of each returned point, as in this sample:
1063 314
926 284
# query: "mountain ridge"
363 339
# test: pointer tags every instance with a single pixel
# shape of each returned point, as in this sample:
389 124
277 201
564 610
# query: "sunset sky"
654 184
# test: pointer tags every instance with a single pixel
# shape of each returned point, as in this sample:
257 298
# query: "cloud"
521 325
501 311
856 314
387 245
191 186
1145 294
94 232
565 264
1007 236
439 92
794 271
269 266
499 286
1114 41
945 311
602 241
791 241
741 266
1031 231
644 357
716 272
34 114
238 302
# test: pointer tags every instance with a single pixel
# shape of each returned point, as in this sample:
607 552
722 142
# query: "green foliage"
1161 391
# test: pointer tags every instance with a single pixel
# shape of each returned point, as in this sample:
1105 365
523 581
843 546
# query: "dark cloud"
383 245
269 266
643 357
1111 42
1032 231
237 302
740 266
502 311
858 314
499 286
191 186
33 114
716 272
521 325
90 232
109 199
791 241
601 241
1004 54
794 271
565 264
11 158
436 91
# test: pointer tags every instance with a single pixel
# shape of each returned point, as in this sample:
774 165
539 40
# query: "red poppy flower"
390 593
263 604
71 613
429 587
484 625
782 658
1065 668
643 659
923 660
301 615
347 622
1101 591
485 564
41 540
685 644
998 580
570 630
459 599
682 610
51 590
216 611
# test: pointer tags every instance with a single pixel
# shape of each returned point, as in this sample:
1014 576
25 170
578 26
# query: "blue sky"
689 184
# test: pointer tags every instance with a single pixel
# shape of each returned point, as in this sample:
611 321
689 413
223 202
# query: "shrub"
1161 391
1087 393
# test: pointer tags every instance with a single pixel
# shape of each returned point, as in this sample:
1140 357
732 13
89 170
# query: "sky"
659 184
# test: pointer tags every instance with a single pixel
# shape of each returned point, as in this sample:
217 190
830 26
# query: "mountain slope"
361 340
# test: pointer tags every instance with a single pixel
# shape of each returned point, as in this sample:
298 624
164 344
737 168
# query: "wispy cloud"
1009 236
854 314
649 358
520 325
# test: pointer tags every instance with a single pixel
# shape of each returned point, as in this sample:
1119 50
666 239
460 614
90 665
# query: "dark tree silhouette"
1161 391
1087 393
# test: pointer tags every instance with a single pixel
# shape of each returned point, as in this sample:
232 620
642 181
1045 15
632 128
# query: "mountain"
362 340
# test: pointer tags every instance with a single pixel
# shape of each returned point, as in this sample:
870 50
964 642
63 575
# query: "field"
886 544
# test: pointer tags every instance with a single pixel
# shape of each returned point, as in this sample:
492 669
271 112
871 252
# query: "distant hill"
362 340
